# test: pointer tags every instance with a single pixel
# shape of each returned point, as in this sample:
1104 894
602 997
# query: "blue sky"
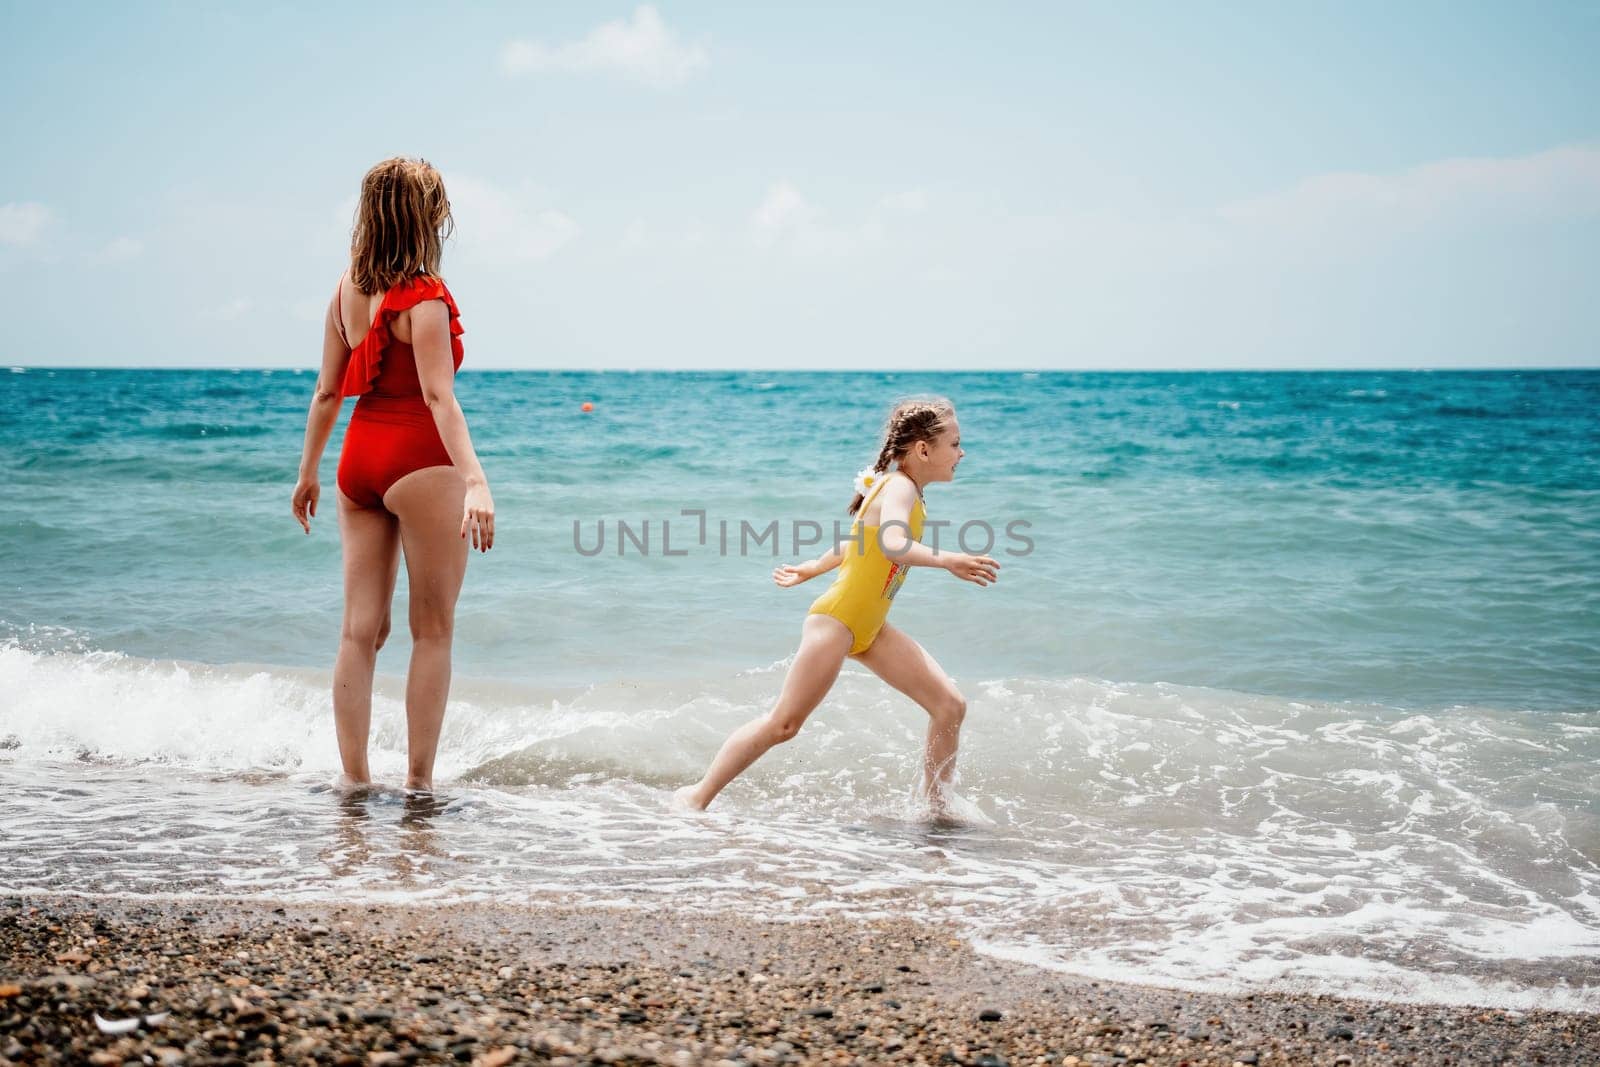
735 185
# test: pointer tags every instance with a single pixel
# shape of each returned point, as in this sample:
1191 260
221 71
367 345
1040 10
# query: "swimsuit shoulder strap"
868 499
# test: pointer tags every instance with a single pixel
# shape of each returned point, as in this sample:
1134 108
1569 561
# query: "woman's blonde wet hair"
917 419
401 224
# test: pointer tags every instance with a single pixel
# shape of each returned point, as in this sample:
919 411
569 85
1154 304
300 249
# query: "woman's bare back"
357 310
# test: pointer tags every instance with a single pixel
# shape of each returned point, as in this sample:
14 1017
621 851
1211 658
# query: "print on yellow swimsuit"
868 579
897 578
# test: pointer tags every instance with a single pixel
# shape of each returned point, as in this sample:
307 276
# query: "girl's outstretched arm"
787 574
894 533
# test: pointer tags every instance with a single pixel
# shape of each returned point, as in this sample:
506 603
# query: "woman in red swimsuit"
409 479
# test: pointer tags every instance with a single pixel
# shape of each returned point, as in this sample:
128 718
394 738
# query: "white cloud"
642 49
785 218
782 211
118 251
497 225
1555 183
21 222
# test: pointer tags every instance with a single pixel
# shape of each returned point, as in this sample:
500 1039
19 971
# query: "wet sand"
247 982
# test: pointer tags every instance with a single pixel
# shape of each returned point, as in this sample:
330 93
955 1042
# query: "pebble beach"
219 981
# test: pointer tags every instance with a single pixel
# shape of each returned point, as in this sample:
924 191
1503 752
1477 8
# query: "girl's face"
940 455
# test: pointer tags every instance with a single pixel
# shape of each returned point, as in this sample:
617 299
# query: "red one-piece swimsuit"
391 431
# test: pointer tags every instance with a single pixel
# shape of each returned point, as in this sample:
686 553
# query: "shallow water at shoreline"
1209 840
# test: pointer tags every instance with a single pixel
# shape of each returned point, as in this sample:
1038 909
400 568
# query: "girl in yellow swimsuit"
922 442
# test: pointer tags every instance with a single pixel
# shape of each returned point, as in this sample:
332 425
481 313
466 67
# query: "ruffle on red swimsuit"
366 359
391 432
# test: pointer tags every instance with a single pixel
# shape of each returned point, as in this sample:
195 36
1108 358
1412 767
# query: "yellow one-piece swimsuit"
868 579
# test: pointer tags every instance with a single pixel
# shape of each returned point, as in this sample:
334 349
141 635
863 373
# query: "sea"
1290 681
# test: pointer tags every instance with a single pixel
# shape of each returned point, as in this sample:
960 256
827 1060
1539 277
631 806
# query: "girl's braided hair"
919 419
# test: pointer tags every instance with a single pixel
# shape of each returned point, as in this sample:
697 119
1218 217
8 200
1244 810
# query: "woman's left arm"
436 371
324 412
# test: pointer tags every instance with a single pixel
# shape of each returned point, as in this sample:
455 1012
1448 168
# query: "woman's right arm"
324 412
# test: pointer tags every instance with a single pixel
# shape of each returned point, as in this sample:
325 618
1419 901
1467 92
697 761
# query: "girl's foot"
946 807
685 800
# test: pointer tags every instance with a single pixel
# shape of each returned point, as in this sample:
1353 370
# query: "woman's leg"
824 643
370 542
428 505
906 665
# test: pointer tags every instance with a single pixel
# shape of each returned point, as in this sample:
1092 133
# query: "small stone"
990 1015
1249 1059
819 1013
990 1059
1342 1032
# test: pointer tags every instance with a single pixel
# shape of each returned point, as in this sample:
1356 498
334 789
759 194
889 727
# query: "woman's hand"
979 569
787 574
477 516
306 492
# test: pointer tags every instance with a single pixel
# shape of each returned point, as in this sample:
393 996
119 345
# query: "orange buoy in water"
588 406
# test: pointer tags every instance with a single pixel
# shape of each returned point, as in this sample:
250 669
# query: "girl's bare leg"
906 666
428 504
370 543
824 643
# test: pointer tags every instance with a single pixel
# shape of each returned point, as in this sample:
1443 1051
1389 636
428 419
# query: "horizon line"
1469 369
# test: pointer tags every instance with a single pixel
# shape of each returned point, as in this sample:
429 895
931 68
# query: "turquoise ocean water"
1290 680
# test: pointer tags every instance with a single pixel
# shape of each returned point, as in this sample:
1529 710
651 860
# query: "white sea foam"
1149 832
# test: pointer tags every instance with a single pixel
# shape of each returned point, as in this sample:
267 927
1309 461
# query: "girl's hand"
787 574
477 515
979 569
304 501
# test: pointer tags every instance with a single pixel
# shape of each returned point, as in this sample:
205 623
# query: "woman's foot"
687 799
346 785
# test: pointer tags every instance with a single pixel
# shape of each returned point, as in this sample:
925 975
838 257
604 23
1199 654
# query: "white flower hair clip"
867 478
